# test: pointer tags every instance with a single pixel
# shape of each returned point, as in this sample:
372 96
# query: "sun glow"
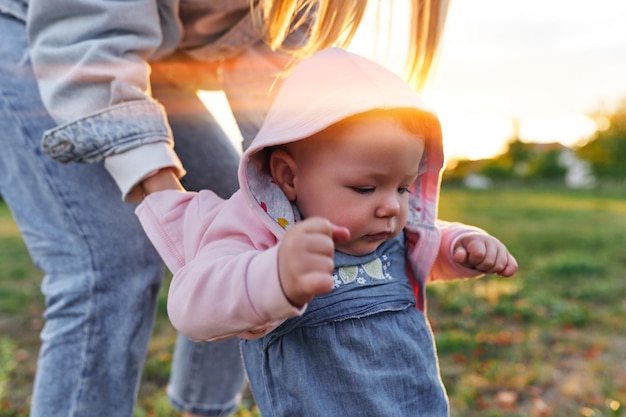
569 130
504 72
493 84
217 104
480 134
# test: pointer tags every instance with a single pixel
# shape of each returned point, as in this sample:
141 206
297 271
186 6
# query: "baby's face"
358 175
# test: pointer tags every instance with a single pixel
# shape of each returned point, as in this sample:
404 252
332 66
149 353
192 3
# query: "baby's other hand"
484 253
306 259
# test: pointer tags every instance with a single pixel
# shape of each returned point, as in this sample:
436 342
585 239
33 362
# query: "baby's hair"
412 120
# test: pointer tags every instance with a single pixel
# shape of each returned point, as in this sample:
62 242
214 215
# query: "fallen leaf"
507 400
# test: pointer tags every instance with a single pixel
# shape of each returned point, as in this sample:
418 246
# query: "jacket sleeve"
90 59
445 268
224 263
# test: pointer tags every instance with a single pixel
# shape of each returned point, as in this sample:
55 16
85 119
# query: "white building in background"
578 172
477 182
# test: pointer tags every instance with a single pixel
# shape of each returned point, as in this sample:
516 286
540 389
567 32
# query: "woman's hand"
164 179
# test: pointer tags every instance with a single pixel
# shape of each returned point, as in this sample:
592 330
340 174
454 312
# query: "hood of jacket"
320 91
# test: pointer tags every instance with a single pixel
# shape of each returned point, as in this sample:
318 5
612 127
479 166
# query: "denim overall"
363 349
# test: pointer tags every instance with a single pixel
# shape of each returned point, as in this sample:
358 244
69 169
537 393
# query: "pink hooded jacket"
223 253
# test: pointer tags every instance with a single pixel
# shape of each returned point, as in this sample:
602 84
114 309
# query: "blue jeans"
101 274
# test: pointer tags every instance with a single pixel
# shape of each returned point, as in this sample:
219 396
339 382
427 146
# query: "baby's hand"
486 254
305 259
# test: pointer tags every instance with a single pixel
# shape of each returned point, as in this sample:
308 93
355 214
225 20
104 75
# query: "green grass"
548 342
555 334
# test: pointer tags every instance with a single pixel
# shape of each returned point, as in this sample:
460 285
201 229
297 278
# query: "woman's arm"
90 59
91 55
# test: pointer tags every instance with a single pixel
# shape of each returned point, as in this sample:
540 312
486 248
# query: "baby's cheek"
401 221
351 223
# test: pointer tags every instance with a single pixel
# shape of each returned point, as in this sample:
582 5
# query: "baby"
320 260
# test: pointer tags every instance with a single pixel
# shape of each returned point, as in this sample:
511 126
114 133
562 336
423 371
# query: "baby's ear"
283 171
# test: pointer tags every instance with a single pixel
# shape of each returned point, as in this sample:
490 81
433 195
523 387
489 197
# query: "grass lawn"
549 342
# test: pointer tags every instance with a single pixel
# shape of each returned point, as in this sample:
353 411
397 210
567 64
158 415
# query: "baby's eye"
364 190
403 190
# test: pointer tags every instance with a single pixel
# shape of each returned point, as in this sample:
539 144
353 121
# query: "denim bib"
363 349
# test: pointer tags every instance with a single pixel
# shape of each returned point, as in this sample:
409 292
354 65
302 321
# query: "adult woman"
78 74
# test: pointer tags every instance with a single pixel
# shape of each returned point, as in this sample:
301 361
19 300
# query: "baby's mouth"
378 236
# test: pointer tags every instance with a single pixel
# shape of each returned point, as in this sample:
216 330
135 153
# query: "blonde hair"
334 23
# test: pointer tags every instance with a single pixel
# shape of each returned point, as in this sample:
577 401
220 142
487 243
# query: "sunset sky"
543 65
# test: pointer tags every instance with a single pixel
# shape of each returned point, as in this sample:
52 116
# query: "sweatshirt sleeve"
90 59
224 263
445 268
163 215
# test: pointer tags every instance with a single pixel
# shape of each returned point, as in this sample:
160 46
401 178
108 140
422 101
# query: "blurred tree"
519 152
547 166
499 168
606 151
